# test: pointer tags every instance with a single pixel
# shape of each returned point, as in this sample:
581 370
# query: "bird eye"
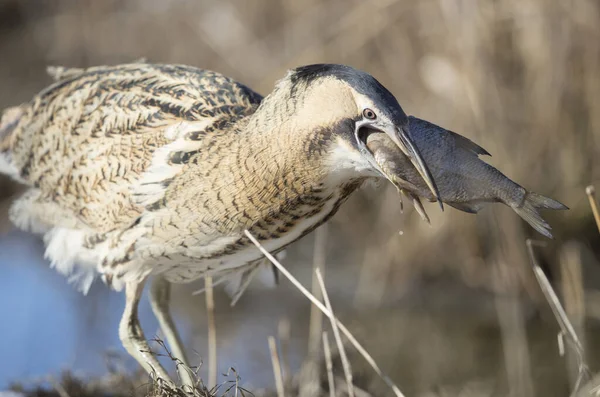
369 114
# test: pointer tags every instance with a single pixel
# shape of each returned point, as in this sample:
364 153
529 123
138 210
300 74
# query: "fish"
463 179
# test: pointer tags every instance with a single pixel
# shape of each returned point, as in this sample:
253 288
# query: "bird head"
349 105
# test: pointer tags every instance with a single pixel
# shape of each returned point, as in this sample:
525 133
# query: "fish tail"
529 211
545 203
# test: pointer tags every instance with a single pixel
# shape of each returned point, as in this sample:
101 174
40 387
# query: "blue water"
46 326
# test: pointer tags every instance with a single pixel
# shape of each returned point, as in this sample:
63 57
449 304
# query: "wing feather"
97 135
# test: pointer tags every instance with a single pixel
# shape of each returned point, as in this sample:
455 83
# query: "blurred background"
451 309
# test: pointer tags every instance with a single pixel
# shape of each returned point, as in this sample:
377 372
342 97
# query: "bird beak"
401 137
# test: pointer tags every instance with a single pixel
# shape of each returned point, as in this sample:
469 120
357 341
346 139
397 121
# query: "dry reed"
518 77
566 328
328 313
337 336
328 364
277 372
590 191
212 332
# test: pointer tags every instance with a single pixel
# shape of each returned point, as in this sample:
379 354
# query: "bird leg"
160 295
131 334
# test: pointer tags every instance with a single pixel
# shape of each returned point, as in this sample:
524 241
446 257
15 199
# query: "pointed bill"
401 137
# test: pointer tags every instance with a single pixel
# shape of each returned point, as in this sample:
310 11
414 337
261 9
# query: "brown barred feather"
137 169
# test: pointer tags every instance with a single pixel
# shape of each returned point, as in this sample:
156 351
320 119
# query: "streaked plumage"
154 159
464 180
156 170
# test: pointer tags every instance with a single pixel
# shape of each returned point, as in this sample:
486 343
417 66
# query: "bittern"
141 170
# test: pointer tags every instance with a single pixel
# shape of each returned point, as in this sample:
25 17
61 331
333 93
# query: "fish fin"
529 211
468 144
416 201
465 207
544 202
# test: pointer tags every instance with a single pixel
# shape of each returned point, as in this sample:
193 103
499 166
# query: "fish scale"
465 182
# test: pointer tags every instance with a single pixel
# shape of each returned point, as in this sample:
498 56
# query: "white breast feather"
66 252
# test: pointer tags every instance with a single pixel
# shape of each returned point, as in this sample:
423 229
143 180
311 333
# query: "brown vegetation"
446 310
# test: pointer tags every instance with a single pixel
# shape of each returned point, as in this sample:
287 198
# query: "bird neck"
285 149
281 155
273 169
285 182
286 152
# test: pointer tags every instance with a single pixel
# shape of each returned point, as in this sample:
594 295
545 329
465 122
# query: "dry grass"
336 324
567 331
441 308
328 365
591 193
277 371
336 334
212 332
119 385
